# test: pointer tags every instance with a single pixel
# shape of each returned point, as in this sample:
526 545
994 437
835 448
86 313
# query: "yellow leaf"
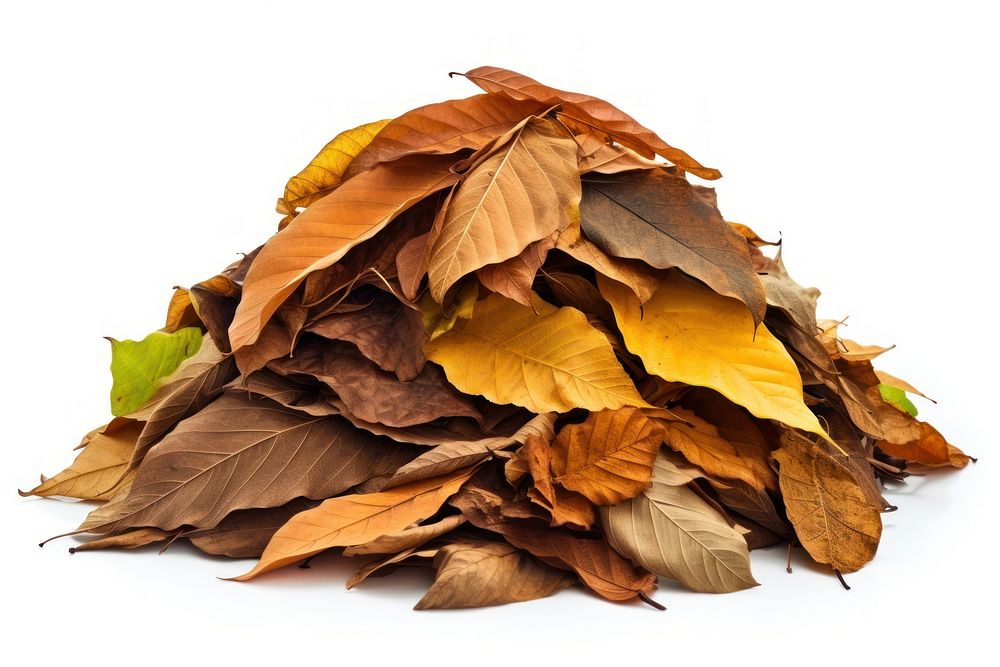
525 191
688 333
356 519
546 359
326 170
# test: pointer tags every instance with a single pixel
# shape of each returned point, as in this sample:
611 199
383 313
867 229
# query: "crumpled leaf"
588 112
324 232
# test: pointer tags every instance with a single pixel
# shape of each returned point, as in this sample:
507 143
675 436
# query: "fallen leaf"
657 217
673 532
552 361
356 519
138 367
525 190
483 574
687 333
831 515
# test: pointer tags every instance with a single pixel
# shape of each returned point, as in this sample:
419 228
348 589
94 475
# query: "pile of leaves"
503 336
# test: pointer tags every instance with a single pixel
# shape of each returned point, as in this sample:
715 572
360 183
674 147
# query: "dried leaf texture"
322 234
356 519
673 532
240 454
483 574
831 515
549 361
526 190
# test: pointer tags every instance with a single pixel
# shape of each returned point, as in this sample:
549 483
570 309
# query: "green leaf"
897 398
137 367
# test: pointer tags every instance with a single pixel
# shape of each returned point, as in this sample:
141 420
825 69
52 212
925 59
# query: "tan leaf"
514 277
245 533
523 191
98 471
930 448
450 456
482 574
132 539
356 519
549 361
673 532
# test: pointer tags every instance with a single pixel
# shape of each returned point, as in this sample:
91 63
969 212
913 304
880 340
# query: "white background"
142 145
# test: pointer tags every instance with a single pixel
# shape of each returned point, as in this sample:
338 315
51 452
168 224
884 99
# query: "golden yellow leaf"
688 333
325 171
551 360
356 519
524 191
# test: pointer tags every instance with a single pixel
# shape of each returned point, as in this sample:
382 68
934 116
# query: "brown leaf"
323 233
450 456
383 566
930 448
524 190
387 332
514 277
599 567
132 539
245 533
408 538
356 519
584 111
566 507
239 454
638 276
578 292
443 128
608 457
831 515
658 217
195 384
482 574
798 302
372 394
